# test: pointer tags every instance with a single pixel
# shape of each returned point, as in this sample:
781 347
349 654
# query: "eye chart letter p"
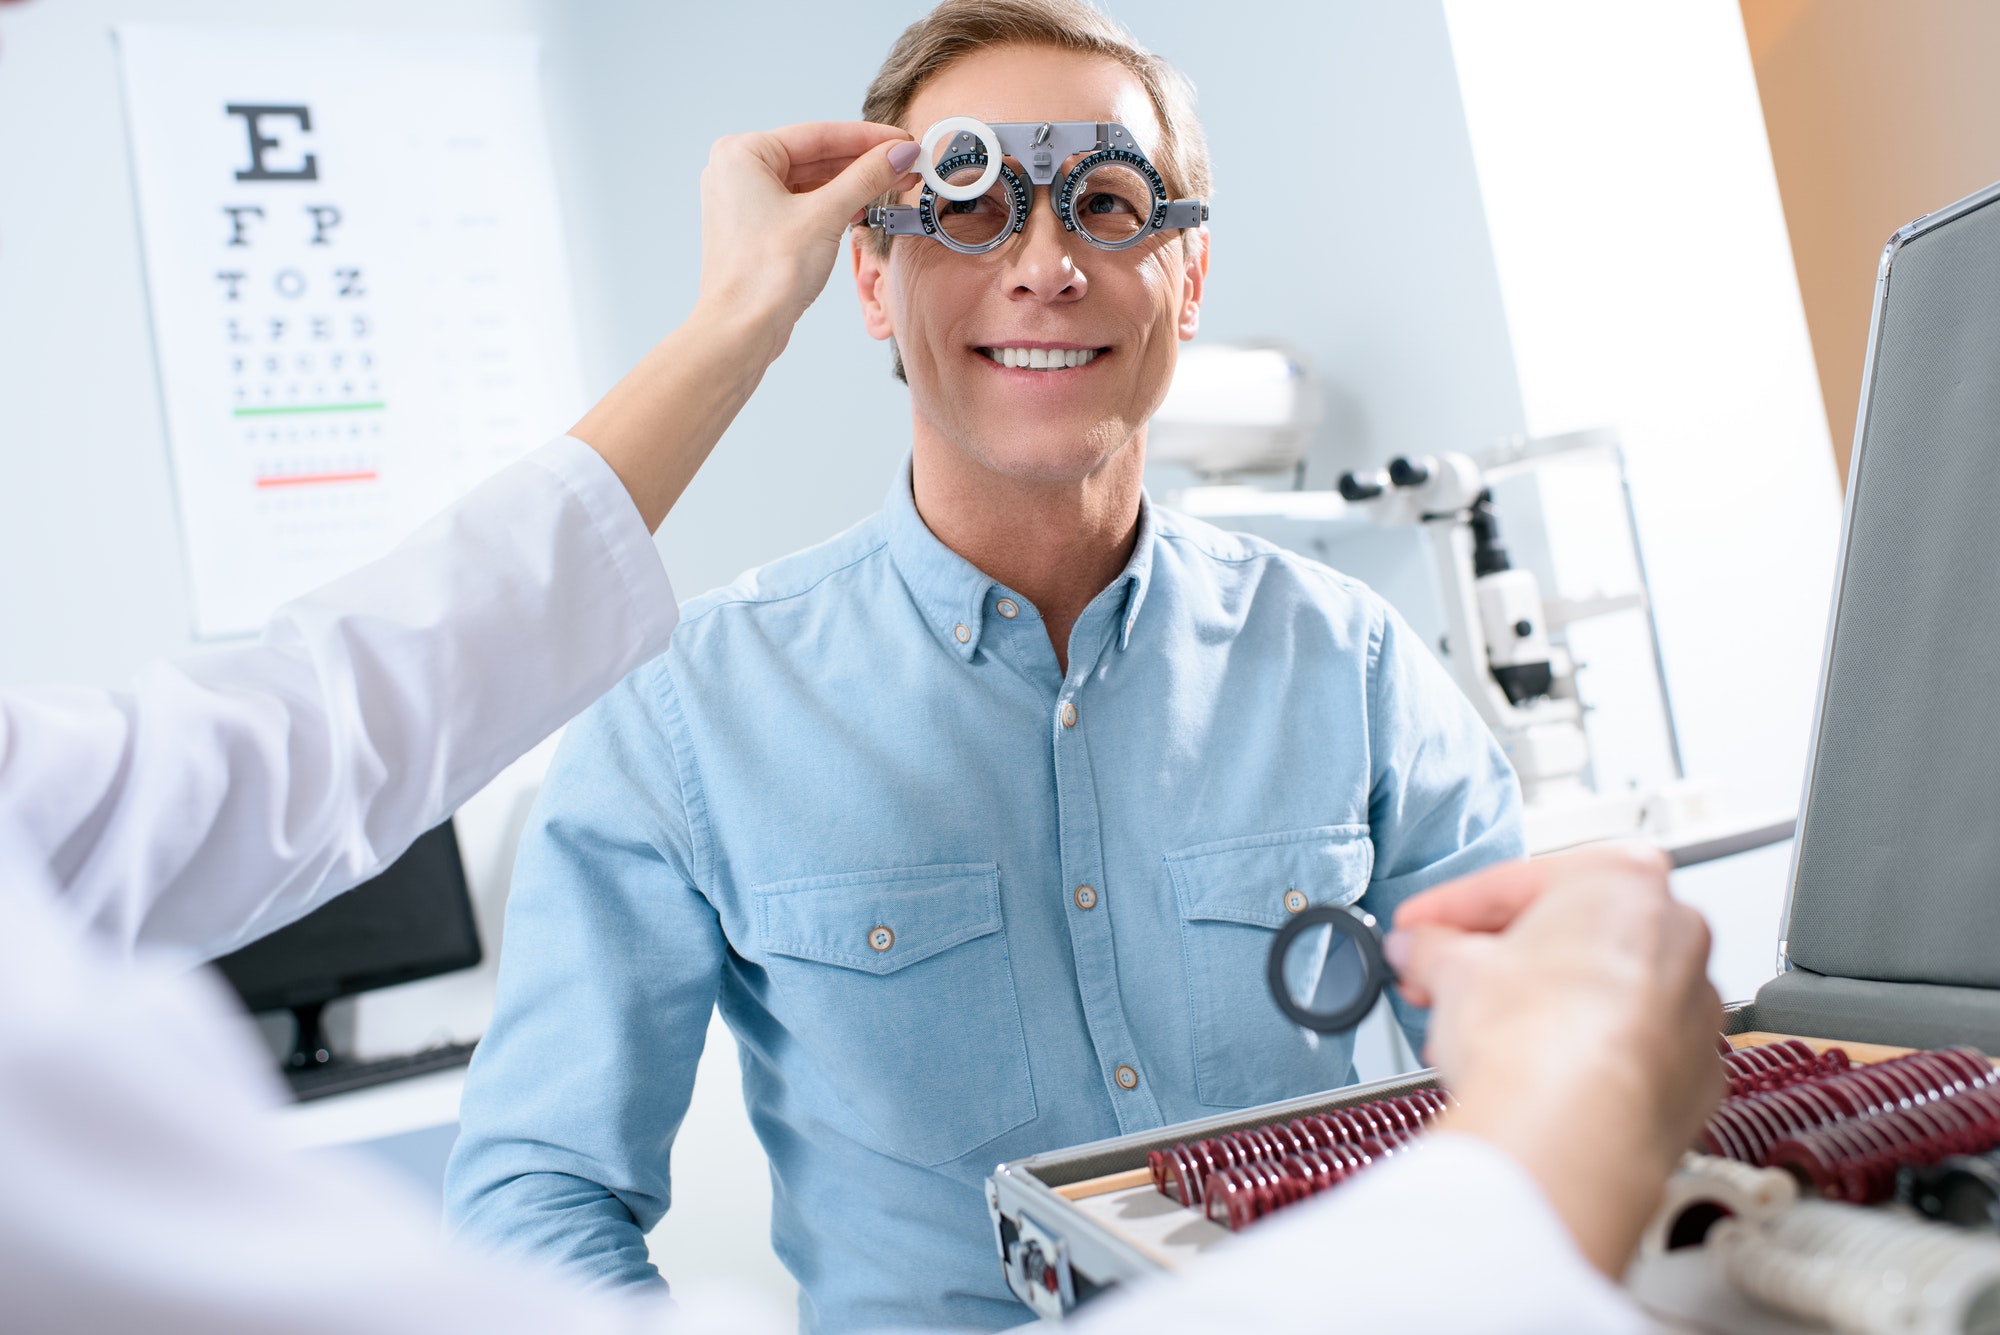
358 289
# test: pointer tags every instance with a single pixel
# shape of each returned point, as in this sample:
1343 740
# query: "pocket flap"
879 921
1248 880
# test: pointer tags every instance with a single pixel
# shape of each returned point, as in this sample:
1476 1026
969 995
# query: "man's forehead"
1035 84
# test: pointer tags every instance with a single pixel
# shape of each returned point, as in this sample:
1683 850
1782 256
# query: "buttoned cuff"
628 545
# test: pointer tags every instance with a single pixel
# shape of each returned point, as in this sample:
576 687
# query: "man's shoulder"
1255 567
782 585
761 614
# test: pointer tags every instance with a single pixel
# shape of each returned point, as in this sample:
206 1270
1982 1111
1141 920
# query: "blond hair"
958 28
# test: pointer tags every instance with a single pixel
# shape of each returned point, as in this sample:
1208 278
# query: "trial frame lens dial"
1143 193
1326 968
952 223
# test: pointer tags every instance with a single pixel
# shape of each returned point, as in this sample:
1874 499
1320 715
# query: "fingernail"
1396 950
902 155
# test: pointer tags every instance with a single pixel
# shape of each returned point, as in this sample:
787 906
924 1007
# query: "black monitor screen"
412 921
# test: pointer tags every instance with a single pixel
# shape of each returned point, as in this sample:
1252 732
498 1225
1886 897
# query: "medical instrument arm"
230 792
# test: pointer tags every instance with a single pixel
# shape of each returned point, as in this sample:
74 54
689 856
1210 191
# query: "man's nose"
1042 262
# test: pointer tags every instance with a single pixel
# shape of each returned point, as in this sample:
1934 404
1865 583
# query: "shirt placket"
1087 905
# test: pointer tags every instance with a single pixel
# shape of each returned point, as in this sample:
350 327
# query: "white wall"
1648 280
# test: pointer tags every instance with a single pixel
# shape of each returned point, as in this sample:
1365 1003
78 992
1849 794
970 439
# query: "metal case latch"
1036 1261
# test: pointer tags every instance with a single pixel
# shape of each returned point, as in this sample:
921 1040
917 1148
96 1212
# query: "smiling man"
976 821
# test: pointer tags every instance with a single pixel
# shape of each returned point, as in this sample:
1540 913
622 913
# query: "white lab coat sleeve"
230 792
145 1190
1452 1237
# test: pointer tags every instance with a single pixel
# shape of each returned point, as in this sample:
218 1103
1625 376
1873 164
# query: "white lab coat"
140 1185
231 792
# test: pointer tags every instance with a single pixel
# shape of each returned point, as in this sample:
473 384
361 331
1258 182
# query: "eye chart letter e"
357 285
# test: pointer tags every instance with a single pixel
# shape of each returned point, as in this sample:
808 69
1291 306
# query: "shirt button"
881 938
1086 898
1295 901
1127 1078
1068 714
1008 608
961 634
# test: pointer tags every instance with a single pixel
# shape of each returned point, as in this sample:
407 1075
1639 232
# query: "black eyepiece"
1361 486
1406 472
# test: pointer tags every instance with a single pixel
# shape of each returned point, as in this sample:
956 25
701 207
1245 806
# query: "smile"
1042 359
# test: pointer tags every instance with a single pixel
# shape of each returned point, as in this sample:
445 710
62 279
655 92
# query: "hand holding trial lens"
1327 970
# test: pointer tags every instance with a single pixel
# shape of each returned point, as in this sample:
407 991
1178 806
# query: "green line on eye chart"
298 409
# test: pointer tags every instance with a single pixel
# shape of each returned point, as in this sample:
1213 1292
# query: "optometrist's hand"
773 207
775 204
1573 1018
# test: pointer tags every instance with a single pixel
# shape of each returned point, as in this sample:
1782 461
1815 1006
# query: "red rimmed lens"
1267 1167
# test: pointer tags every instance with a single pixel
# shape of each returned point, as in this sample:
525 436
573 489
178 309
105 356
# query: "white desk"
415 1103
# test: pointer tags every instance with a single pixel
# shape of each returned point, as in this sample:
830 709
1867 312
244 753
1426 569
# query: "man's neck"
1057 544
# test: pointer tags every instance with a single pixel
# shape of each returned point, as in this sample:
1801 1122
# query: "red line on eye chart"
316 479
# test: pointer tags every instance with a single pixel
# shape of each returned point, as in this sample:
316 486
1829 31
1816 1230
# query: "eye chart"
358 289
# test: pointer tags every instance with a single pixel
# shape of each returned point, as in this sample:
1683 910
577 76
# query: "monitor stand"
310 1045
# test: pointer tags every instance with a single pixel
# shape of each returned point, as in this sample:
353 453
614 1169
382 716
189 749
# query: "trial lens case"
1891 931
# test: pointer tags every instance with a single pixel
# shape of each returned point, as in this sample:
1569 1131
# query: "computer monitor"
413 921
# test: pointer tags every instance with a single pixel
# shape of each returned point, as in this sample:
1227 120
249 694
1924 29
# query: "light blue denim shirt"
956 905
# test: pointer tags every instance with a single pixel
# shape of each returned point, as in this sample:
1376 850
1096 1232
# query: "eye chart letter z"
358 288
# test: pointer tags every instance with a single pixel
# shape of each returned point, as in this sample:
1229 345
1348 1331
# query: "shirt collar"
954 595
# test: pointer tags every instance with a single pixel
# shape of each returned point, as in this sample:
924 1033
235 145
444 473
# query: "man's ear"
871 278
1197 282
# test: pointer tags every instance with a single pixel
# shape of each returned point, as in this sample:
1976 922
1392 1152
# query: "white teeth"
1042 359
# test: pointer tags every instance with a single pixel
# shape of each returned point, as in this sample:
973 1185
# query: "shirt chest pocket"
1233 896
899 986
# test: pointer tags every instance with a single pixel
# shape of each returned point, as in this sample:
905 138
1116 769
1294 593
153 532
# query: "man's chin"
1041 457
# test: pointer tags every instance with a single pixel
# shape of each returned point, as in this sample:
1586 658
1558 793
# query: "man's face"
1044 288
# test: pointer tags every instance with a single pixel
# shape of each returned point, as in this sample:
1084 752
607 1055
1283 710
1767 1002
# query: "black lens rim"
1066 199
1017 193
1021 199
1357 926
